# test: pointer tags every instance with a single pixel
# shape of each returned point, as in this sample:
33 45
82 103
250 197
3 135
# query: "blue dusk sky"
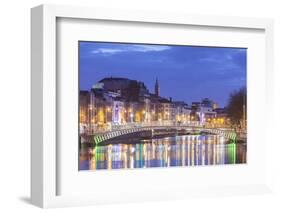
185 73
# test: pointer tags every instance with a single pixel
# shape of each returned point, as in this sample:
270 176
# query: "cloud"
106 51
149 48
129 48
226 60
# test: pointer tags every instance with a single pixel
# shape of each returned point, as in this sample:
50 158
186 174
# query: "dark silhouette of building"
157 88
130 90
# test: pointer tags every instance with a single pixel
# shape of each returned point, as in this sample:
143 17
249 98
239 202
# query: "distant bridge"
121 130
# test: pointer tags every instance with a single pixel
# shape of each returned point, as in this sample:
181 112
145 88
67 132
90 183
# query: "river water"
186 150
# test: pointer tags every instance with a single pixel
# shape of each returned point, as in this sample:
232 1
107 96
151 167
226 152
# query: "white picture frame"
44 148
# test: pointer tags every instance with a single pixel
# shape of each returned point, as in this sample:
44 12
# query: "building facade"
119 101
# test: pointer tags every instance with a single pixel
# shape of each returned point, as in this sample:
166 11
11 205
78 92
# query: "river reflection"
187 150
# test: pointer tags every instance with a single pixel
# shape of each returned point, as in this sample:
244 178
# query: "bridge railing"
93 129
97 129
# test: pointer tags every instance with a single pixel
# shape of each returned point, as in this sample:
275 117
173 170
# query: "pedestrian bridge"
121 130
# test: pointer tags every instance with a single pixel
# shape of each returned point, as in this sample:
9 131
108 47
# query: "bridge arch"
102 137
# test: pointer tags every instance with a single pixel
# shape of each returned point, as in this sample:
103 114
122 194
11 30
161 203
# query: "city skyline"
185 73
143 106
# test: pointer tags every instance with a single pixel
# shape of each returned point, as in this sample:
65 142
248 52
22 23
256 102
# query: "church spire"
157 88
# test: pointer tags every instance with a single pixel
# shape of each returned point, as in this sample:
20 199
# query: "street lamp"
131 115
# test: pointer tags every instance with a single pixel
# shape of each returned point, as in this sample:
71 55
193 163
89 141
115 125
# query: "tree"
236 108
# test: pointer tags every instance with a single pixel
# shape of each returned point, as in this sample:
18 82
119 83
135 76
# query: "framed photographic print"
130 106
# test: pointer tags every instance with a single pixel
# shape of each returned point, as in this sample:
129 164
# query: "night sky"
185 73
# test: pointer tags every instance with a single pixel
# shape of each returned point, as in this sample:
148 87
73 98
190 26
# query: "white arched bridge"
122 130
